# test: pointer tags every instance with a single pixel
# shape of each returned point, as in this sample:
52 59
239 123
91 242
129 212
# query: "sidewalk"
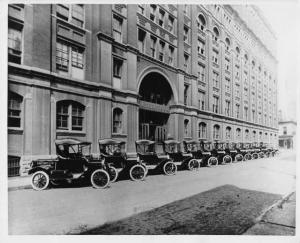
280 220
20 182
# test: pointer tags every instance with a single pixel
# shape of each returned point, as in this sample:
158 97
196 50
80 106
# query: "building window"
153 46
117 28
73 13
171 56
14 44
237 52
201 22
141 9
201 100
186 9
66 52
254 136
227 64
246 59
247 134
117 72
238 133
215 80
153 12
161 51
202 130
69 116
171 24
215 34
201 72
284 130
161 17
253 115
201 47
216 132
228 133
215 56
141 40
14 110
237 110
227 85
117 120
215 104
227 44
246 113
186 61
186 128
227 108
185 93
186 34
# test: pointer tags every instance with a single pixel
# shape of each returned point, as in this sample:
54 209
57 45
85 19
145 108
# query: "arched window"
246 134
237 51
117 120
14 110
254 135
246 58
202 130
201 22
227 43
216 132
186 127
69 115
266 136
216 33
253 64
260 136
238 133
228 133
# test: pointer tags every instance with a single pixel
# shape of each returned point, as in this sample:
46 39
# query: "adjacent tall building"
139 71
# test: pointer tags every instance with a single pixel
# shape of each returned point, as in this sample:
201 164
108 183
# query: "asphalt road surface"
77 210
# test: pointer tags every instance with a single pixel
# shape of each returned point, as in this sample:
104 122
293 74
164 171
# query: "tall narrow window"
246 113
117 28
186 34
77 14
14 110
161 17
216 132
253 115
247 135
161 51
171 56
215 55
62 56
228 133
201 100
201 47
141 9
202 130
201 22
153 46
186 61
227 85
141 40
227 44
215 34
201 72
77 117
215 104
153 12
185 94
117 120
237 110
117 73
14 44
215 79
62 11
171 24
227 108
186 128
238 134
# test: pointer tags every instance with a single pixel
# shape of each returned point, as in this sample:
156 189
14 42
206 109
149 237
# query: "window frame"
119 129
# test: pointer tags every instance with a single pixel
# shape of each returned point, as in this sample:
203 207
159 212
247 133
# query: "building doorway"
155 98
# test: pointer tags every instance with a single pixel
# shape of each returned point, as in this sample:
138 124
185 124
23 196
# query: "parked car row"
75 161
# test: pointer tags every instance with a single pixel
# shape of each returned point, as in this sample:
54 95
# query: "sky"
284 19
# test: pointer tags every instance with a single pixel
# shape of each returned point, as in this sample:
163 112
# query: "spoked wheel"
193 164
239 158
247 157
212 161
261 155
255 156
227 159
267 155
40 180
137 173
169 168
100 179
113 173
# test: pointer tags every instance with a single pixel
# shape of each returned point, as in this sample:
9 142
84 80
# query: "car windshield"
173 148
111 149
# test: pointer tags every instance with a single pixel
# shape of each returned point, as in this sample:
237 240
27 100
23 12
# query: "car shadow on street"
224 210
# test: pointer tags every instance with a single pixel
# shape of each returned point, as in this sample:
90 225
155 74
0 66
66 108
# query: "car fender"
38 168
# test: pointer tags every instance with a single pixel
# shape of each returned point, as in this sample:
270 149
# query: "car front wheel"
169 168
40 180
212 161
227 159
113 173
100 179
137 173
193 164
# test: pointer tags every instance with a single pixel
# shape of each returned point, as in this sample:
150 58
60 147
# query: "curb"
15 188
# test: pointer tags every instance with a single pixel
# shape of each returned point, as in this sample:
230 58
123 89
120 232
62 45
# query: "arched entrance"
155 98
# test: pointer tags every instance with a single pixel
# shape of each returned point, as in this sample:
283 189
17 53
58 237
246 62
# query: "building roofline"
283 122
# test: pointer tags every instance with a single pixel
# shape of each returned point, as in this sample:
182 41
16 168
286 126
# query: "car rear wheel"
255 156
100 179
212 161
247 157
239 158
169 168
137 173
40 180
261 155
227 159
193 164
113 173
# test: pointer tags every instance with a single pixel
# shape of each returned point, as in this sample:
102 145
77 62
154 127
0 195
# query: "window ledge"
15 130
67 132
123 135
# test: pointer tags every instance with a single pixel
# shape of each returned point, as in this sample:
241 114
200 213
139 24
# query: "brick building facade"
139 71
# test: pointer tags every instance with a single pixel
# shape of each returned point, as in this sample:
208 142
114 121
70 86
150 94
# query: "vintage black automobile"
147 156
265 153
220 152
245 150
194 147
232 152
74 161
182 159
112 153
255 150
208 158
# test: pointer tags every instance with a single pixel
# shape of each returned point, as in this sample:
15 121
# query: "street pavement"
77 209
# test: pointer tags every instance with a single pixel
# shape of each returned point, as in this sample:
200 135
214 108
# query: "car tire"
100 179
227 159
137 173
193 164
169 168
40 180
239 158
212 161
113 173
